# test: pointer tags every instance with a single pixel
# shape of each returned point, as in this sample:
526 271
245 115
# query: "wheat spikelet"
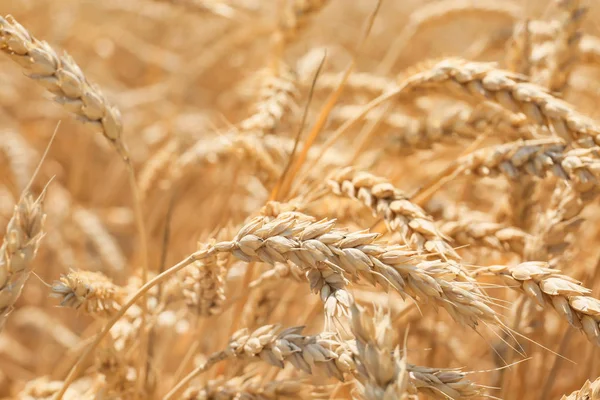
63 78
90 291
589 391
23 234
548 288
483 81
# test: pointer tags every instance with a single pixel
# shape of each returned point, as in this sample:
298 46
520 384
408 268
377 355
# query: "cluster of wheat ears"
299 199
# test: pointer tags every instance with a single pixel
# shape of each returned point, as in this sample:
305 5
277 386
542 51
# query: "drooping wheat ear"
578 167
478 81
410 134
64 79
381 370
244 388
589 49
465 232
23 234
318 246
296 14
204 285
564 46
416 228
443 383
589 391
276 95
550 288
93 292
314 354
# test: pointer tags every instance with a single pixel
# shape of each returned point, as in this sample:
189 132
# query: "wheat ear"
19 247
92 292
547 287
63 78
484 81
416 228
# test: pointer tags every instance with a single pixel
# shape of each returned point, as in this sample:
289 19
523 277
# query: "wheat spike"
64 79
92 292
548 288
23 234
416 228
484 82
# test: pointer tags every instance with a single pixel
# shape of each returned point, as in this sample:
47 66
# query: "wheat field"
299 199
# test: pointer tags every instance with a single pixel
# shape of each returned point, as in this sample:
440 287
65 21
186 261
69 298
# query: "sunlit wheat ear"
416 228
64 79
91 292
21 241
548 288
334 258
485 82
